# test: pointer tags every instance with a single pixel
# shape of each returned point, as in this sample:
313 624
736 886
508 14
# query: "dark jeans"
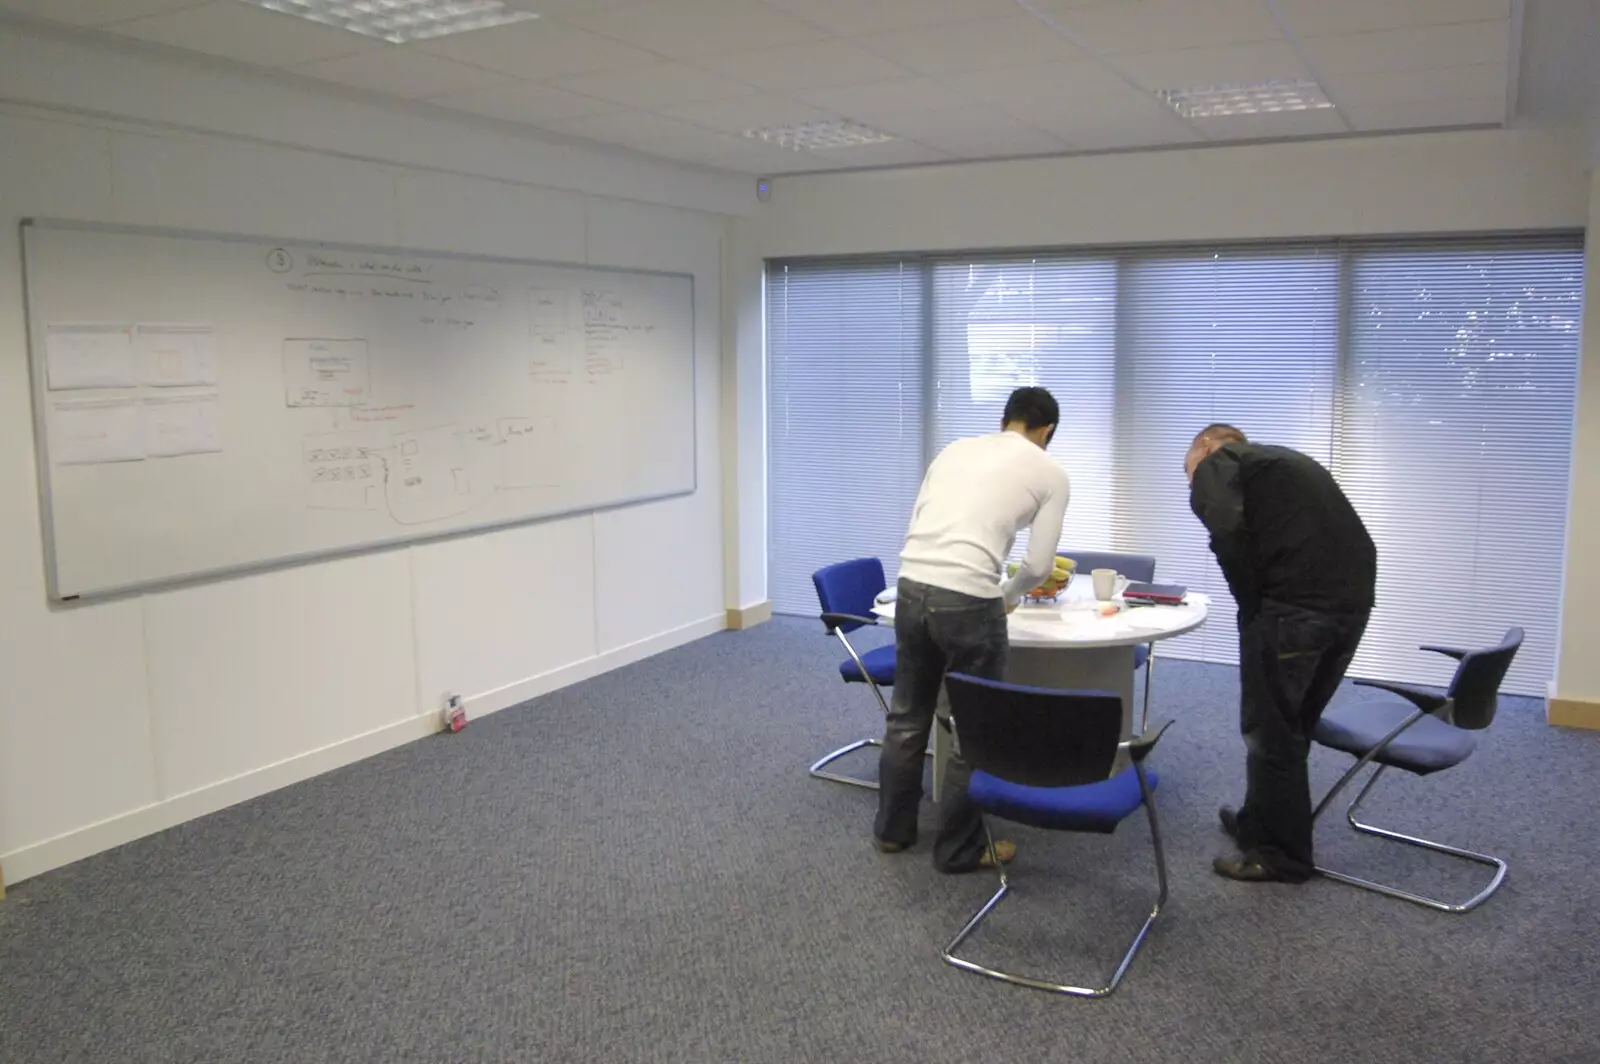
935 632
1291 661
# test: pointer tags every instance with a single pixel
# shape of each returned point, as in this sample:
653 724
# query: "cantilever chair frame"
1137 749
835 623
1428 703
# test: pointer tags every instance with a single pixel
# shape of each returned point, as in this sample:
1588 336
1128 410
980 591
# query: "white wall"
1578 671
125 717
1395 184
1441 183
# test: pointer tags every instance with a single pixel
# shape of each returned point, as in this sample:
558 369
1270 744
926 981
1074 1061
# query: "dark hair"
1222 433
1034 407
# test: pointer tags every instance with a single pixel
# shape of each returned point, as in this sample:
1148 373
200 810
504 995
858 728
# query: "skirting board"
96 838
1572 713
749 616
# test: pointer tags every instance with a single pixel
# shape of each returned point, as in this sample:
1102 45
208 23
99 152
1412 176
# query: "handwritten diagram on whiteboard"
217 403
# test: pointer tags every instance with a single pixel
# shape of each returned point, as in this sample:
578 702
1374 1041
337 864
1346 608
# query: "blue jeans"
1291 662
935 632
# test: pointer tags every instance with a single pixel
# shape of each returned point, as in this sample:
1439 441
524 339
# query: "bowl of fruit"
1054 584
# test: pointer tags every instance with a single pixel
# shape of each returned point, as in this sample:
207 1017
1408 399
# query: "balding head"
1206 443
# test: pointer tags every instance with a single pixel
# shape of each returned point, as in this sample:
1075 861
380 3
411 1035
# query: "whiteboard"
208 403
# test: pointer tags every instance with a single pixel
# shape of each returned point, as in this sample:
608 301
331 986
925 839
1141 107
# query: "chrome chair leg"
817 769
948 953
1437 847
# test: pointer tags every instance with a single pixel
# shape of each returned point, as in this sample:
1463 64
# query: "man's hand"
1011 607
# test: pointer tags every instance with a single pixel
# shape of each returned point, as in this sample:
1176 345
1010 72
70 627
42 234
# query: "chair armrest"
839 620
1451 652
1139 749
1426 699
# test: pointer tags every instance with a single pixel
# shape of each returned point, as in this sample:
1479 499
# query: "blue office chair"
1435 735
1140 568
846 591
1044 758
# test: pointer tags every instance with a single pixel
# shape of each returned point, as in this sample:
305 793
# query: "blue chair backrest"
1137 567
1033 736
849 587
1475 688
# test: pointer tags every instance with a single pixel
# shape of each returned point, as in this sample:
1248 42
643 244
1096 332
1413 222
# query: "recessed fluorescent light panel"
814 136
1268 97
399 21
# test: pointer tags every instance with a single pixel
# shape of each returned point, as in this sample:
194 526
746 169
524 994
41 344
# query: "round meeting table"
1067 645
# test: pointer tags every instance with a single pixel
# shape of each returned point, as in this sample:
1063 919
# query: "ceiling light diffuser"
399 21
813 136
1268 97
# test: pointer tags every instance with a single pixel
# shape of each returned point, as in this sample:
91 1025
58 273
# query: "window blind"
1455 445
1436 378
1243 336
845 369
1049 322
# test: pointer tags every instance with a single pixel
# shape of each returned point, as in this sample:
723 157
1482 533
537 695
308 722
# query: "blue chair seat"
1427 746
1097 807
880 666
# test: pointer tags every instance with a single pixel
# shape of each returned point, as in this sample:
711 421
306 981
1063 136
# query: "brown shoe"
1005 849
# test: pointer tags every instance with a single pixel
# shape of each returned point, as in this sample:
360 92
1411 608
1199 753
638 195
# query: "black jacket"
1282 529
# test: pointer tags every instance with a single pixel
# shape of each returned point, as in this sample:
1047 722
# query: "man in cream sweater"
951 606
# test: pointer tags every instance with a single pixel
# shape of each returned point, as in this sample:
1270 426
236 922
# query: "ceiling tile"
855 18
656 87
979 132
94 12
1427 114
1126 104
1131 119
755 112
1228 64
882 101
965 46
403 72
723 151
627 127
522 102
919 125
1462 44
1078 77
1418 86
686 29
1161 25
814 65
1273 126
1090 135
557 8
888 153
540 50
1315 18
248 34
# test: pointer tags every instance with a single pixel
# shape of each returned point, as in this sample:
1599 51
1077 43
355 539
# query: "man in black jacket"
1302 569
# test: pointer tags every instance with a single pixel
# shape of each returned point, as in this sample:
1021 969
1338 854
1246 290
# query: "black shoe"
1248 868
885 846
1230 821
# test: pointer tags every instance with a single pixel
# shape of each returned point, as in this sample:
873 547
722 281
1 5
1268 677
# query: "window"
1455 444
1047 322
1435 378
845 364
1245 336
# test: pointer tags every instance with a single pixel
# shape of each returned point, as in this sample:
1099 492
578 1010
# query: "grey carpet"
639 869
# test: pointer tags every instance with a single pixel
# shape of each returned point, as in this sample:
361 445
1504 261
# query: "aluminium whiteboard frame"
38 373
